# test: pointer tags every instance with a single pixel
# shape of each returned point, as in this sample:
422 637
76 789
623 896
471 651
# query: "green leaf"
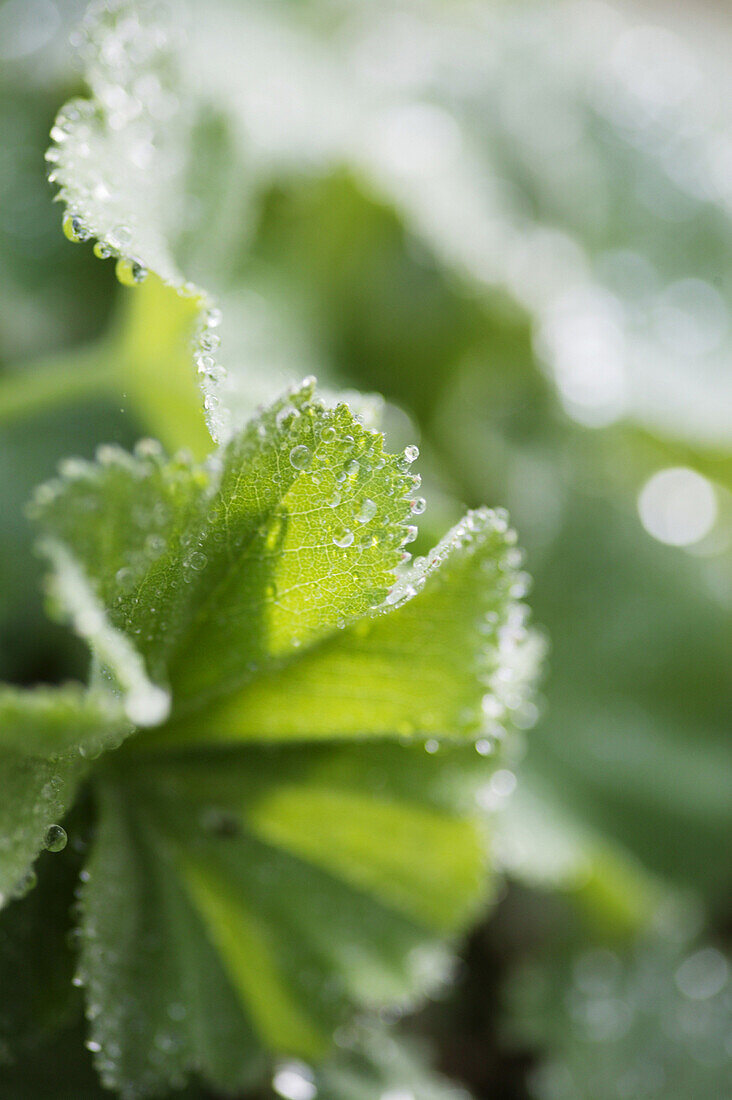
129 177
59 1069
541 842
632 750
45 735
52 722
303 831
300 529
206 128
652 1020
211 930
117 579
37 959
62 1069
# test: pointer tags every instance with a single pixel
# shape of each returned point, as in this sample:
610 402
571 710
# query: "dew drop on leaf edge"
55 839
74 229
130 272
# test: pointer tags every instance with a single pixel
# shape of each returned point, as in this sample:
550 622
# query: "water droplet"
130 271
74 229
55 839
703 974
678 506
353 467
155 545
521 586
213 318
102 250
411 454
410 534
335 499
209 341
418 506
294 1081
73 467
125 578
121 236
148 448
344 538
198 560
300 457
492 706
367 511
93 1046
328 433
503 783
432 745
165 1042
205 364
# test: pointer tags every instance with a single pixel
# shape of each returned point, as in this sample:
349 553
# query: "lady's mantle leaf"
37 957
211 936
131 162
256 872
46 738
216 571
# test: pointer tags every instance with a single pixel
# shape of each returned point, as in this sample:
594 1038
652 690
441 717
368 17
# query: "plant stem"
56 381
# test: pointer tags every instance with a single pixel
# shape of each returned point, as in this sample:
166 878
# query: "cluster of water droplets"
362 509
505 653
116 160
96 153
211 372
369 492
